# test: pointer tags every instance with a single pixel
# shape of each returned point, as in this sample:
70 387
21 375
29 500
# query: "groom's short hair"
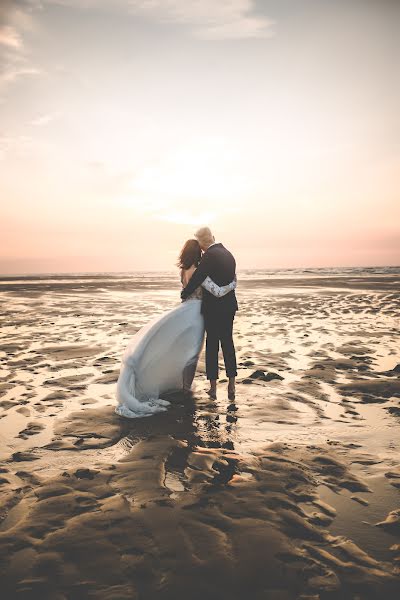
204 236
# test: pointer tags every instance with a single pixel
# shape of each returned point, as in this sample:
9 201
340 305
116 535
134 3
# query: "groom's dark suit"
219 264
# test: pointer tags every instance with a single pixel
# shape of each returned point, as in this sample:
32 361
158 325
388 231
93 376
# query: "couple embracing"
163 355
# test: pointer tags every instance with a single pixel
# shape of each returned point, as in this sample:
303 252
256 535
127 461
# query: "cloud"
226 19
16 18
11 74
10 37
207 19
16 69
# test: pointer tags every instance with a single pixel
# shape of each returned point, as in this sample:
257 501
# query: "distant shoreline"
383 269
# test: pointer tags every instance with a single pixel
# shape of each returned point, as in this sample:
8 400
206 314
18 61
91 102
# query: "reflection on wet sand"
292 491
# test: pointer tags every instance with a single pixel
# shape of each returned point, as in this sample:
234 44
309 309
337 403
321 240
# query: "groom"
219 313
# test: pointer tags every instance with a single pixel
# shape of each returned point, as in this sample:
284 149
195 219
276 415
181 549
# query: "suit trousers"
219 327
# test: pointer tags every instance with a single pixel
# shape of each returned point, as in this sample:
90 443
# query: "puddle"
174 483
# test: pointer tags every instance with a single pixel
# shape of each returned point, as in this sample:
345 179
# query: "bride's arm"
218 290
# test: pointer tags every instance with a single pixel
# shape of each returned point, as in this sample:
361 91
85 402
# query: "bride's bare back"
185 277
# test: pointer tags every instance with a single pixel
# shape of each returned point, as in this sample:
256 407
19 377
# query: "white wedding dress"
162 356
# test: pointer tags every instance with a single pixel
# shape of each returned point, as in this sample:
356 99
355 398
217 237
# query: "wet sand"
290 492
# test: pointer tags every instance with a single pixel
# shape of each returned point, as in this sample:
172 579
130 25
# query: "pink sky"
126 125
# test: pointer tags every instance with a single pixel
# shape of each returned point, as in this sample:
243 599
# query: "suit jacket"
220 265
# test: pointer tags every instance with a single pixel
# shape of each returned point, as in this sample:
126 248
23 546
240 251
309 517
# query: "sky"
127 124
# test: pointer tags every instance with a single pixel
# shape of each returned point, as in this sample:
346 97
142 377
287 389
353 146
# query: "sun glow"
127 125
192 183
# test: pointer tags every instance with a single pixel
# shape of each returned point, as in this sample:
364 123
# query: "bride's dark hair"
190 254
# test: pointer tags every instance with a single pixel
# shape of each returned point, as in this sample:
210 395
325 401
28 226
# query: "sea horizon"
371 270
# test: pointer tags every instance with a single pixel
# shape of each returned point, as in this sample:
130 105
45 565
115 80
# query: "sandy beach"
290 492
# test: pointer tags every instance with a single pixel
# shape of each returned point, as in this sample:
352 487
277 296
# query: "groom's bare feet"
212 392
231 388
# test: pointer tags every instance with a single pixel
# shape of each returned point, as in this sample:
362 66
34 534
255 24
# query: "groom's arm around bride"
219 264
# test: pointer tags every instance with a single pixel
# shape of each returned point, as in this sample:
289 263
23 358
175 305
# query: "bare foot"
212 392
231 388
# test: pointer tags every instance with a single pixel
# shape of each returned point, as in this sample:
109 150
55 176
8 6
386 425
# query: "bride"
162 356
